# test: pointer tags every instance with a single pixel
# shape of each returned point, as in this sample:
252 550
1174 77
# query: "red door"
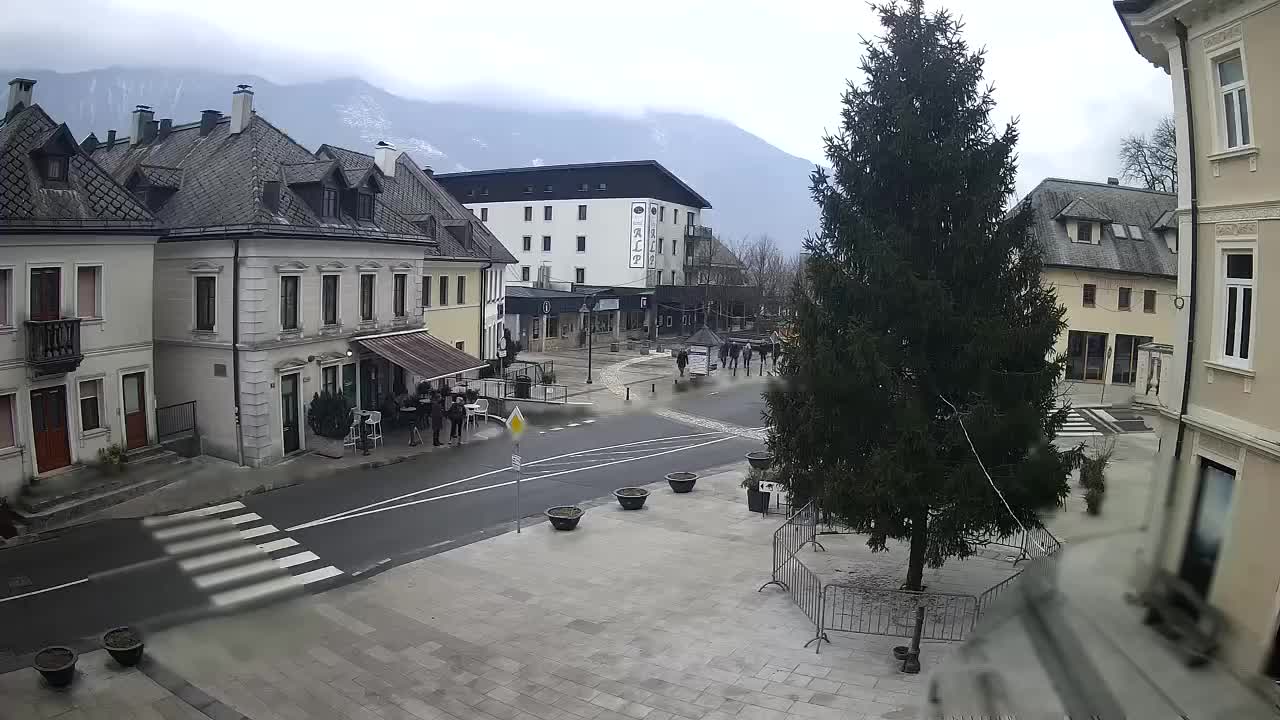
135 410
49 423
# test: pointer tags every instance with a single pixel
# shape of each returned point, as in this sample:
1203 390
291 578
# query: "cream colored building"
282 273
1217 480
1110 253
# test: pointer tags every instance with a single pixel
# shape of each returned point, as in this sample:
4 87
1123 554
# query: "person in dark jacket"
437 419
724 355
746 357
734 352
457 414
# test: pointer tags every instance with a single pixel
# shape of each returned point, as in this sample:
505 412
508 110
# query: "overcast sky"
774 68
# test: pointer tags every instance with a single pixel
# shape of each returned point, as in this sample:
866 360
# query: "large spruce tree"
922 290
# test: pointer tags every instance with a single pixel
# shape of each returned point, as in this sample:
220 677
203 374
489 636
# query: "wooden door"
135 410
289 412
49 425
46 293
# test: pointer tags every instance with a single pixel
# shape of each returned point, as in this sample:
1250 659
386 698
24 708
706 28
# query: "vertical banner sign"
638 234
653 236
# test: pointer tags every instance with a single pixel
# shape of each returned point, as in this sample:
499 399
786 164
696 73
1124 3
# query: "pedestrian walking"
734 351
457 414
437 419
724 355
746 358
763 350
682 361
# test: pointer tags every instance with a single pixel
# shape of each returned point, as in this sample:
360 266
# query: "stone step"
60 510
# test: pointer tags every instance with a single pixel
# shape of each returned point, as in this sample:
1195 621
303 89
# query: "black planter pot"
631 498
760 459
682 482
124 644
757 501
57 664
565 517
900 652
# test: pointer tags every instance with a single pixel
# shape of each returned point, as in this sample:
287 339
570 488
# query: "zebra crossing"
1078 426
236 557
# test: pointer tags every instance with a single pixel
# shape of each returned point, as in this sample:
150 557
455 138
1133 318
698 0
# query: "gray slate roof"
1129 206
91 199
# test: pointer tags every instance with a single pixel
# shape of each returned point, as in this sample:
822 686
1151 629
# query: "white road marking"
259 531
588 422
181 531
323 573
242 519
204 543
235 574
574 424
322 520
350 516
45 590
275 545
302 557
200 562
268 588
160 520
554 429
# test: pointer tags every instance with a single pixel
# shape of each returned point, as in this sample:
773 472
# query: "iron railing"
500 389
175 420
698 231
947 616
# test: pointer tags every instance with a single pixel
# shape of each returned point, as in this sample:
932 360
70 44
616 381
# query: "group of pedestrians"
731 352
455 412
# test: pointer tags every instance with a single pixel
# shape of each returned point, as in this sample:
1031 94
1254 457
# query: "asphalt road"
87 579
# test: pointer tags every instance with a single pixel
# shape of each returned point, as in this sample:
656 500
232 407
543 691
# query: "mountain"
753 186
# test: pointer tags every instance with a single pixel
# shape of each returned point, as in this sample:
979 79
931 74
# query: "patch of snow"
459 167
538 162
480 142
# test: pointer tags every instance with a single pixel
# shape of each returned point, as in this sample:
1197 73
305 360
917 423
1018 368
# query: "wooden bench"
1178 611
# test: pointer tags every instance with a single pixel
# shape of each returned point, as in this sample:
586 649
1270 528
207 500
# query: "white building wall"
607 229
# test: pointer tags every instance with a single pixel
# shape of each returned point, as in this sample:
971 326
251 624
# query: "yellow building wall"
455 322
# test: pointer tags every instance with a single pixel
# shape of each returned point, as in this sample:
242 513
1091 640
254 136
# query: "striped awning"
417 351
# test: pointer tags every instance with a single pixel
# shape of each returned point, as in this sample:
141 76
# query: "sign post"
516 424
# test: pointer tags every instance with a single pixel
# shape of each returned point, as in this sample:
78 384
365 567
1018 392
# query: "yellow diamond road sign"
516 422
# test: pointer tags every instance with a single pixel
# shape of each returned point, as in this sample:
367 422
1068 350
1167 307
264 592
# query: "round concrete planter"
631 498
124 644
564 517
57 664
682 482
760 459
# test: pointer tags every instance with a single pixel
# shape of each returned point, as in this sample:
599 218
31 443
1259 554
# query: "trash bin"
523 385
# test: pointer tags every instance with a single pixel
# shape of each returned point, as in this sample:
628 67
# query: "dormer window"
56 168
329 206
1084 233
364 206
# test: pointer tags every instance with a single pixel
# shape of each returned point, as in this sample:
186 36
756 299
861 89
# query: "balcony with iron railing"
697 232
53 346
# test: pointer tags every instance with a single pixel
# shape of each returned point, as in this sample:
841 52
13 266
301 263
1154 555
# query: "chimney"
428 170
208 118
19 95
1113 181
111 138
241 108
166 126
89 144
141 115
384 156
150 130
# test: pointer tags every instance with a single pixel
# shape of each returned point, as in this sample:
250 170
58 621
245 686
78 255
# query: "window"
662 213
484 214
426 291
673 246
484 191
1090 295
526 243
90 405
366 297
88 292
461 346
673 277
1238 308
528 189
471 192
444 290
582 212
289 302
1125 299
675 216
271 195
580 275
528 213
1119 231
462 289
546 243
56 168
660 241
668 321
582 243
329 299
583 187
329 208
547 188
1135 232
206 303
6 295
546 212
1235 104
364 206
8 432
1084 233
1148 301
399 285
329 379
524 273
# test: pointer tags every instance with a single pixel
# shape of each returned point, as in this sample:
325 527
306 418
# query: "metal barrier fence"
799 530
947 616
174 420
498 389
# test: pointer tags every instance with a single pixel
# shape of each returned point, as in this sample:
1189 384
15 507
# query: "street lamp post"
589 312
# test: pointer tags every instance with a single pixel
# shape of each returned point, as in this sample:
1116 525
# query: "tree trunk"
919 541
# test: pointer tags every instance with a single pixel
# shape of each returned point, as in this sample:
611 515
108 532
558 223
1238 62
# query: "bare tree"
1152 161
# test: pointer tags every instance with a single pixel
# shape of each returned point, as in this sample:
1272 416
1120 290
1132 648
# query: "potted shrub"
111 459
757 501
471 395
124 644
329 415
682 482
57 664
631 498
1093 467
564 517
760 459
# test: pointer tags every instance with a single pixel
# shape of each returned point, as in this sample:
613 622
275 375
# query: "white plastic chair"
374 429
482 413
353 433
